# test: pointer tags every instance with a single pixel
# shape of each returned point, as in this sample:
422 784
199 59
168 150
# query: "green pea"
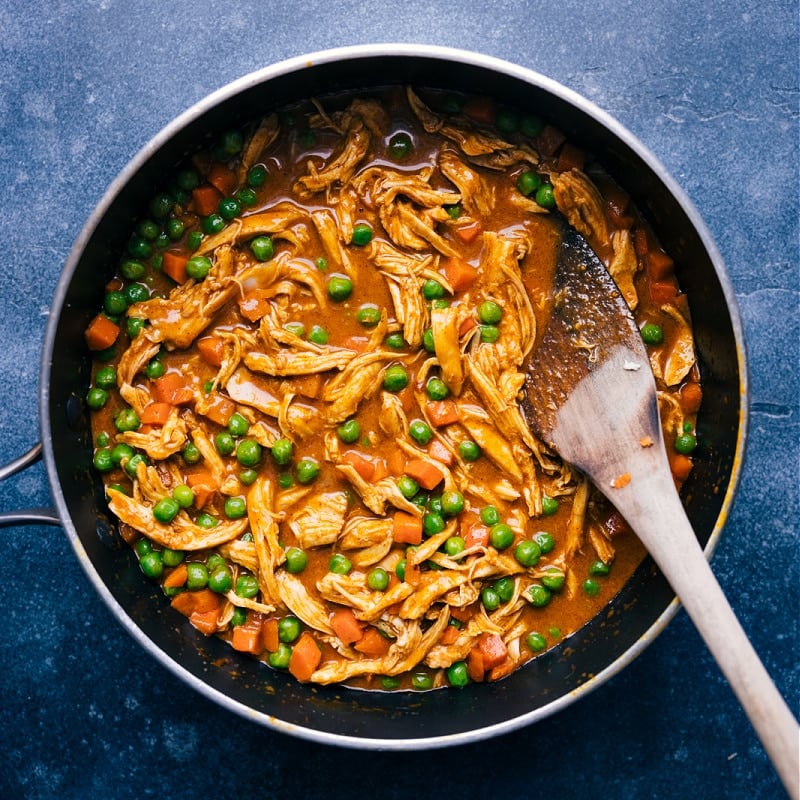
289 628
213 223
531 125
504 588
175 228
652 333
501 536
368 316
194 240
248 476
408 486
102 460
400 146
469 450
506 121
148 229
435 504
106 378
349 431
281 657
544 196
215 561
490 515
490 312
457 674
239 616
187 179
388 683
136 293
432 523
282 451
207 521
96 398
285 480
489 333
229 208
536 642
307 470
538 595
454 546
591 587
139 247
235 507
198 267
378 579
166 509
427 341
685 443
362 234
134 326
432 290
420 431
248 452
143 546
528 182
183 495
246 196
599 567
545 541
395 378
246 586
172 558
262 247
161 205
340 564
490 598
296 560
133 464
224 443
151 564
340 287
196 576
322 264
155 368
549 505
102 439
256 176
115 303
395 341
436 389
452 503
220 579
190 453
318 335
238 425
553 579
126 419
528 553
421 681
400 569
453 211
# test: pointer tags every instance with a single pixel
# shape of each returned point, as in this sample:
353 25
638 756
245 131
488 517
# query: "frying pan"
337 715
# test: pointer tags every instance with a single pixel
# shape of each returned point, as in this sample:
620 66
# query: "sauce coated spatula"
591 395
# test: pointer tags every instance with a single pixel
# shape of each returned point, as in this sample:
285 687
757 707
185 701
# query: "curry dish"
306 384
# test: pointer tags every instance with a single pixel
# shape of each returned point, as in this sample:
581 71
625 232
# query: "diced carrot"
467 232
493 649
205 621
363 465
177 577
205 200
346 626
549 140
616 197
219 408
449 636
184 603
641 243
174 265
212 349
467 325
617 219
477 535
206 600
173 388
305 657
372 644
570 157
202 483
413 574
475 668
439 451
381 470
480 108
463 613
101 333
396 462
501 670
247 638
680 466
441 412
115 285
269 634
659 265
406 528
663 292
254 305
691 395
460 275
616 525
306 385
221 178
156 414
427 475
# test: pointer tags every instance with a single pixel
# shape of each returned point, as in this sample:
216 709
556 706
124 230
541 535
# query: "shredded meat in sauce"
305 395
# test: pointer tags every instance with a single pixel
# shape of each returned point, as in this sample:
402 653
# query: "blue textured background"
711 88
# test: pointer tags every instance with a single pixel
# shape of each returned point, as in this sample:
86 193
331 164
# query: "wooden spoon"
591 395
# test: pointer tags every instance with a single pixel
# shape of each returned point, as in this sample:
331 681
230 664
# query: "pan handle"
40 516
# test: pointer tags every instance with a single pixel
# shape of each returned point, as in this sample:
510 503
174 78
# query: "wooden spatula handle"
657 513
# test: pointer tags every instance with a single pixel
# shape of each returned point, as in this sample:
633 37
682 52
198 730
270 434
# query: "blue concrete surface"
711 88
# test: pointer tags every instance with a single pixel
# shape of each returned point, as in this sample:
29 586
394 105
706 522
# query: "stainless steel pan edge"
334 715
